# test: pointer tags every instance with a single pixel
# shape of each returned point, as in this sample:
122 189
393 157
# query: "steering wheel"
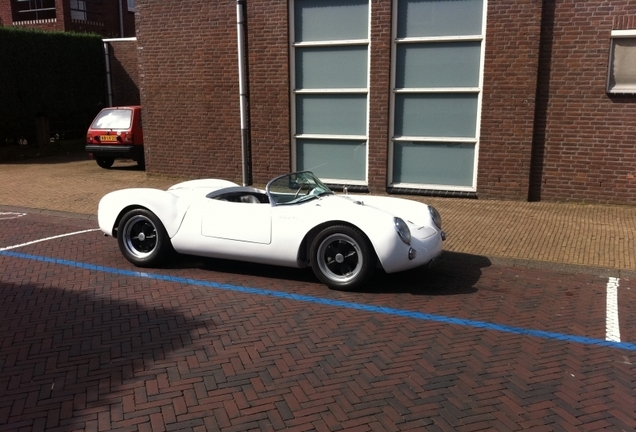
299 189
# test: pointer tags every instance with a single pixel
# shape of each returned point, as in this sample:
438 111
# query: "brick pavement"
106 350
87 349
568 233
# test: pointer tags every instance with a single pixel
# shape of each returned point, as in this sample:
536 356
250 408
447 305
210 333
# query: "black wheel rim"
340 258
140 236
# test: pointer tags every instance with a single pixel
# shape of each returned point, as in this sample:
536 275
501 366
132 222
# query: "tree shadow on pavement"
63 351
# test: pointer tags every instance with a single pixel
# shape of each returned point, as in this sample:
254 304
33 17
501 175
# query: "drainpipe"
240 30
108 77
121 20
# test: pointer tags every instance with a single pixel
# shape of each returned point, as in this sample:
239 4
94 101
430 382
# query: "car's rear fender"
167 207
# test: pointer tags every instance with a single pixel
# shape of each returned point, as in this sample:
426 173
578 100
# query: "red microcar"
116 133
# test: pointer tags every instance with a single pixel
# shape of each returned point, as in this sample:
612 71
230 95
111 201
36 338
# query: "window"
622 64
131 5
87 11
329 84
78 10
115 118
33 10
437 68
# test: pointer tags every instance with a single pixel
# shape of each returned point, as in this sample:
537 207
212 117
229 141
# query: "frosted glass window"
330 43
447 164
450 64
423 18
331 114
436 115
330 159
622 72
320 20
331 67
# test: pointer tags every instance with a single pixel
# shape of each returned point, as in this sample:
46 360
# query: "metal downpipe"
245 150
109 86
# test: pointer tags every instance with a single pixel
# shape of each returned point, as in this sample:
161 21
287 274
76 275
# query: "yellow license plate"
108 138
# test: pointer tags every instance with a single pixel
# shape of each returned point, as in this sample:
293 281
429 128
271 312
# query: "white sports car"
296 222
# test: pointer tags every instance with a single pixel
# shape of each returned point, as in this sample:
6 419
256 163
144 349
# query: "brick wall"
110 26
586 150
510 76
6 17
268 41
124 70
509 89
63 22
268 54
5 13
568 140
379 94
189 87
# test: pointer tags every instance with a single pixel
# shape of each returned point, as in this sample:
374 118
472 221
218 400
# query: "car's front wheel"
342 257
105 162
143 239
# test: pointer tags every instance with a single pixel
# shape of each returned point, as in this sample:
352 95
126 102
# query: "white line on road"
46 239
612 330
10 215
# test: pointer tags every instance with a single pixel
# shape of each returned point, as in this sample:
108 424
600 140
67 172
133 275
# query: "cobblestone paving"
88 343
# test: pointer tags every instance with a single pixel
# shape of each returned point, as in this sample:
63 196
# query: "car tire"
143 239
105 162
342 257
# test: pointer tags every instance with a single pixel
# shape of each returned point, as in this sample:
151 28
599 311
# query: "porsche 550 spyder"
297 221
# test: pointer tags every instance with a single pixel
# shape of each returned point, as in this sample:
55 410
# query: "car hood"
413 212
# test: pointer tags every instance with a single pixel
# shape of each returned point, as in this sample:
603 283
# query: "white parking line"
10 215
612 330
47 239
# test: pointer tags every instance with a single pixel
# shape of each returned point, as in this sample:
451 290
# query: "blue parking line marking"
334 303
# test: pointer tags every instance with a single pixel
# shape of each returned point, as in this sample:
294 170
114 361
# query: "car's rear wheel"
105 162
342 257
143 239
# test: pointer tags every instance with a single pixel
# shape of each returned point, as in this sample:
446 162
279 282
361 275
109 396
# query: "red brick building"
506 99
110 18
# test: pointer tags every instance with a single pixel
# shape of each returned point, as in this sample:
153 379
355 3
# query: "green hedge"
60 76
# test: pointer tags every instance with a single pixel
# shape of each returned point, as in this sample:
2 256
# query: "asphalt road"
91 343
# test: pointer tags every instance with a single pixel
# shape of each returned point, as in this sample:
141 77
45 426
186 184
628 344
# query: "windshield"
113 119
295 188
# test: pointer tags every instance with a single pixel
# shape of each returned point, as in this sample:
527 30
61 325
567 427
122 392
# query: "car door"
241 222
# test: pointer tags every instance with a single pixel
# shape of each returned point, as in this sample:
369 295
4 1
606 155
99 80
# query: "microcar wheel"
342 257
142 238
105 162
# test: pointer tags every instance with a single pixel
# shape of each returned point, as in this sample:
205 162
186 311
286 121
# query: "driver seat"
250 199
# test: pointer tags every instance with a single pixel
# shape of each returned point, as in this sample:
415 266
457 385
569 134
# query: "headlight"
403 230
437 218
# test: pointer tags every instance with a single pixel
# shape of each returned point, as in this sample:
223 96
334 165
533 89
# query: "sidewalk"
558 233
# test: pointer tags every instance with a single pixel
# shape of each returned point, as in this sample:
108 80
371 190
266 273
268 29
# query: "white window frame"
36 8
611 89
394 91
294 92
